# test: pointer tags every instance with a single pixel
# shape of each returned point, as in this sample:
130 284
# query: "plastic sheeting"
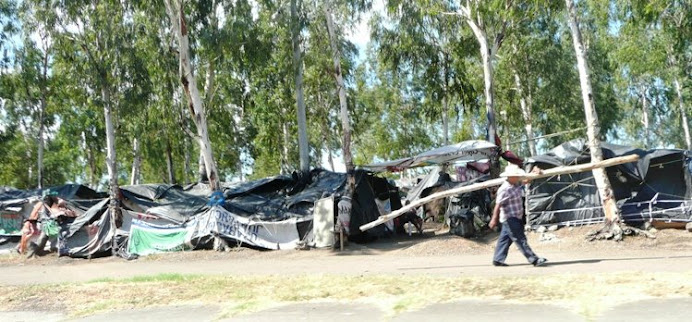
271 213
472 150
655 187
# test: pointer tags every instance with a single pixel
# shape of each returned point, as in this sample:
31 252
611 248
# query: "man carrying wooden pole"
496 182
509 210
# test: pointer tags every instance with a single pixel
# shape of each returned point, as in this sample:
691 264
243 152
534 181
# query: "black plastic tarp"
654 187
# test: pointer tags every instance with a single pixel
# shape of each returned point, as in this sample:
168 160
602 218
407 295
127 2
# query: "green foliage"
419 61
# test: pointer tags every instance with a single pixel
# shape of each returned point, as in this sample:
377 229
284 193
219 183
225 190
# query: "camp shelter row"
284 211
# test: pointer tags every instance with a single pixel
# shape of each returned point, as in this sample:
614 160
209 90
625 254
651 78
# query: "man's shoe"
499 264
540 262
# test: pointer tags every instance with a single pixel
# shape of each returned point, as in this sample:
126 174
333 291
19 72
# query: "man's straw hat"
513 171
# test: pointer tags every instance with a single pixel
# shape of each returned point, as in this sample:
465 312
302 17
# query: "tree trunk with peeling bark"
136 162
605 191
338 75
303 148
201 168
196 106
488 52
111 160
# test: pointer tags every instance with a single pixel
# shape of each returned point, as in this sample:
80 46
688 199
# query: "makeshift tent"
16 205
658 186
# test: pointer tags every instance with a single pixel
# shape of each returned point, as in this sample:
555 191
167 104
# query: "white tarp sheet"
265 234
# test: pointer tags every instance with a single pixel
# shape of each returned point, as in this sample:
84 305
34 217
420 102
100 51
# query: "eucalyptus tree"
605 190
338 75
667 28
35 87
642 58
429 54
297 25
176 12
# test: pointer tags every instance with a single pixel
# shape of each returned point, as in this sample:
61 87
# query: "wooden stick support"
496 182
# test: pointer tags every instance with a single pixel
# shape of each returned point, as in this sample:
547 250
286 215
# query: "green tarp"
145 240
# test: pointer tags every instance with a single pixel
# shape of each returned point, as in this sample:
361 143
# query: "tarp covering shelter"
471 150
16 205
271 213
658 186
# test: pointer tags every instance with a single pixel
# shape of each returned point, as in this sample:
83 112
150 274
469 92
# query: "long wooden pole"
496 182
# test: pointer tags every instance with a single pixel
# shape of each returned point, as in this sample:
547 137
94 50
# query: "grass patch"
585 294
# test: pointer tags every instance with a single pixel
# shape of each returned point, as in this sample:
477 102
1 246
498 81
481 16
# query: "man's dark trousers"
512 231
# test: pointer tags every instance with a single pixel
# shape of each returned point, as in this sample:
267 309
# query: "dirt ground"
402 274
435 242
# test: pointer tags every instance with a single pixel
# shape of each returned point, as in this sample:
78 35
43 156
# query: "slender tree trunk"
186 163
196 106
41 142
111 160
489 88
41 118
209 83
284 150
202 168
445 101
296 6
683 113
240 168
169 163
593 127
338 75
526 113
645 116
136 160
445 120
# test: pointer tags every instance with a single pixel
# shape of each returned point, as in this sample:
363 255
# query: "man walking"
509 211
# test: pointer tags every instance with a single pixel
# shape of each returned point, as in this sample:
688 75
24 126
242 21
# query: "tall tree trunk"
169 163
202 168
136 161
186 163
645 116
445 120
526 113
296 6
41 142
196 106
338 75
284 150
593 127
41 118
111 160
90 162
683 113
488 53
489 88
240 169
445 101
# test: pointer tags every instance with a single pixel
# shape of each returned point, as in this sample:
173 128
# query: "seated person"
408 217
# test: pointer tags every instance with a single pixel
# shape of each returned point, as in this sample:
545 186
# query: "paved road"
668 310
472 265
